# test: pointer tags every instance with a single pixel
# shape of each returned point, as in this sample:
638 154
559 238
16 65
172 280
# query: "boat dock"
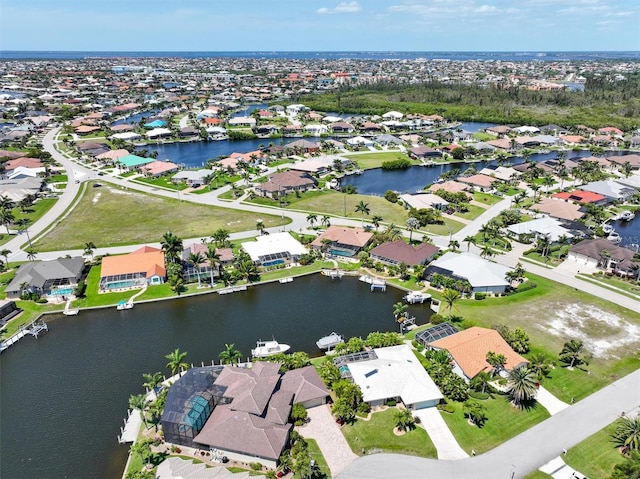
417 297
34 329
333 273
68 311
376 283
232 289
129 432
286 280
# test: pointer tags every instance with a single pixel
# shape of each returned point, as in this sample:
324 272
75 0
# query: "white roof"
331 119
478 271
396 372
314 164
24 172
526 129
633 181
127 135
547 226
359 140
423 200
273 244
192 175
158 132
393 114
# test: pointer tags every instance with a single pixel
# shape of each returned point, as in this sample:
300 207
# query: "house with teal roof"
155 124
133 161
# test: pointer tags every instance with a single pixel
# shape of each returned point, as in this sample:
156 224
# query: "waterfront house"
276 249
582 197
204 269
468 350
483 275
619 161
131 162
342 241
498 130
193 178
112 156
320 165
393 253
551 228
479 182
601 253
451 186
285 182
424 201
557 208
158 168
241 412
144 266
420 152
390 374
47 278
611 189
301 146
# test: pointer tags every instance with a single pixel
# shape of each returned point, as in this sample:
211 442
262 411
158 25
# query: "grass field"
596 455
376 435
503 422
473 213
366 161
552 314
486 198
111 216
316 455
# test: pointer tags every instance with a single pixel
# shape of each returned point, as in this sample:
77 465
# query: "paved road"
522 454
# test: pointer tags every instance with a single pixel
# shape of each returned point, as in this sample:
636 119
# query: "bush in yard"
298 414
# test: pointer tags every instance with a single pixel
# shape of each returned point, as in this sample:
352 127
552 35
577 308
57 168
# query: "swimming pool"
61 292
339 252
122 284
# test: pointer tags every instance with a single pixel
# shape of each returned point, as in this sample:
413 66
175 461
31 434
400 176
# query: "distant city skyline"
320 25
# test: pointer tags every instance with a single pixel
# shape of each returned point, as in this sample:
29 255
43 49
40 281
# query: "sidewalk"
551 403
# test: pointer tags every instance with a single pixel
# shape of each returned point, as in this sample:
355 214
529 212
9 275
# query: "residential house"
422 151
342 241
601 253
18 189
553 229
285 182
611 189
393 253
468 350
451 186
243 413
277 249
158 168
557 208
193 178
632 159
47 278
390 374
302 146
424 200
320 165
204 269
582 197
144 266
479 182
484 276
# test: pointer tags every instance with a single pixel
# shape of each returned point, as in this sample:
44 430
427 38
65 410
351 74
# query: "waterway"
629 232
64 395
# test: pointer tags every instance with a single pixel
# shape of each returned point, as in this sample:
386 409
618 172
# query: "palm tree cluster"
440 368
522 385
626 435
573 353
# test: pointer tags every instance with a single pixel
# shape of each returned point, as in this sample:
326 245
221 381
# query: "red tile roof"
580 196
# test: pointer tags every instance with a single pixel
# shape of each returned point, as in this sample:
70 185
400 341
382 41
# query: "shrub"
298 414
399 164
526 286
41 300
480 296
391 196
446 407
479 395
255 466
392 403
437 319
467 323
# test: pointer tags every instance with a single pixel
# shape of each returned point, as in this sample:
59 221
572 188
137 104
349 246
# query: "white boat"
330 341
122 305
286 280
627 215
417 297
269 348
607 228
614 237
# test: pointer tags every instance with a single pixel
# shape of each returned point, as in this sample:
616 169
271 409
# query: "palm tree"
220 237
152 380
376 220
400 313
195 259
5 253
539 364
89 248
392 232
31 254
548 181
572 352
214 260
260 226
480 382
23 225
312 218
139 402
176 361
404 419
486 251
363 208
6 218
230 354
470 240
454 245
172 247
626 435
521 385
412 224
450 296
496 360
476 412
326 221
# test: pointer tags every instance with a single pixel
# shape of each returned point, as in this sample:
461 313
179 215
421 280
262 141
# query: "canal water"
629 232
63 396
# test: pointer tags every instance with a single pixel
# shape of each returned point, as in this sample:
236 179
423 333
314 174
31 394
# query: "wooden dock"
34 329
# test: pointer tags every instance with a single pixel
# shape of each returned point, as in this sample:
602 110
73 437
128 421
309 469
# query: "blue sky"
316 25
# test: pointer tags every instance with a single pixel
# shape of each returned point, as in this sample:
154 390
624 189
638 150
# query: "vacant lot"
112 216
552 314
373 159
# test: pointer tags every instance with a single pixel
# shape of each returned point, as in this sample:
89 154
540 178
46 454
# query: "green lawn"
473 213
32 213
486 198
628 286
376 435
370 160
596 455
111 216
538 475
503 422
317 456
536 309
161 182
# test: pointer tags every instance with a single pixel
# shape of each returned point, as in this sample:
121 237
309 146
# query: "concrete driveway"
440 435
323 428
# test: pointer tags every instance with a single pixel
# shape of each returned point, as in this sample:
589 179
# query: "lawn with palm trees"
503 422
111 216
377 435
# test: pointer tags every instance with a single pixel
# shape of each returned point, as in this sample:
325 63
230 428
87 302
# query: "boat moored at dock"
264 349
417 297
330 341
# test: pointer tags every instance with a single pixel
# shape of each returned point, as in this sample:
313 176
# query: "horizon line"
324 51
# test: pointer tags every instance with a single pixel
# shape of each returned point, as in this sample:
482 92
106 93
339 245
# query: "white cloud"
342 7
486 9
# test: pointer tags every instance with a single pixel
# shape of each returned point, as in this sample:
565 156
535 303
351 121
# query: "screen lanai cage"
190 402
